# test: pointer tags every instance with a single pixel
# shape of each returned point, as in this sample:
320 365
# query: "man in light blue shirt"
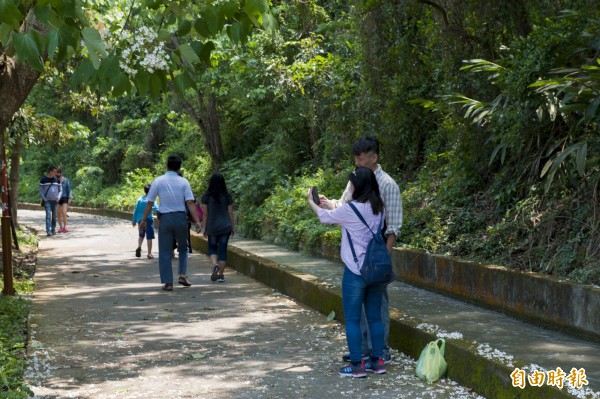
175 195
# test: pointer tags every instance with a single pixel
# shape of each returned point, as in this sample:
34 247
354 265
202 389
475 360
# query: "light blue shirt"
140 207
172 190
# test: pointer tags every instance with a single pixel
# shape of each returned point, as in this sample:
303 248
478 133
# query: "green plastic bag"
431 365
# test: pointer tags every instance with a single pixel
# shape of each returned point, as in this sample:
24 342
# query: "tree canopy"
117 47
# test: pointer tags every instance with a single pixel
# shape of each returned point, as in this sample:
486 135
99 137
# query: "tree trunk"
13 181
313 131
213 142
16 82
520 16
207 120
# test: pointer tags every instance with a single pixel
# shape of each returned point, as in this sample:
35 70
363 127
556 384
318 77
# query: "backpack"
377 266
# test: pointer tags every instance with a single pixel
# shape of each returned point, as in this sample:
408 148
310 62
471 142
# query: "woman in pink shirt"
355 290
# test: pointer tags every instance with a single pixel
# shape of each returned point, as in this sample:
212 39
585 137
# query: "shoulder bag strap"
48 189
362 219
352 248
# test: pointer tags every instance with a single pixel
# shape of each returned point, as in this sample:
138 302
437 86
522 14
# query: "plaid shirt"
390 193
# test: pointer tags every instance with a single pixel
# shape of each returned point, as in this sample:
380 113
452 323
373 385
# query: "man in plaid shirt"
366 154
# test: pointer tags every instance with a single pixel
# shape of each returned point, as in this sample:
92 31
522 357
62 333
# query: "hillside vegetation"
487 111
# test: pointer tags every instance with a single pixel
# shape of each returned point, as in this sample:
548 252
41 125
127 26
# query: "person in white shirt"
175 195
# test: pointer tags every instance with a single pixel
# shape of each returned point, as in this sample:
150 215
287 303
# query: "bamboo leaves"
554 163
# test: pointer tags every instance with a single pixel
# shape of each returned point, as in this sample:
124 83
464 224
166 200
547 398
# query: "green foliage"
26 239
126 195
13 320
518 116
445 216
198 170
496 156
88 181
119 52
288 217
250 181
288 220
13 339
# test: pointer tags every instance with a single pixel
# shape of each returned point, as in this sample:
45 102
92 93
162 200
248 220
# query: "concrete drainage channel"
488 377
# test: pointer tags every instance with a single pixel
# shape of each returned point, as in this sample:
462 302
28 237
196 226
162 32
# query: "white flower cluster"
38 366
433 329
488 352
142 50
583 393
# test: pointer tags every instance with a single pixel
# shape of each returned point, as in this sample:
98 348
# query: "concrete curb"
89 211
489 378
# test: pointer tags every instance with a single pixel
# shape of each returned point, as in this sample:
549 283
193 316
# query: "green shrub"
88 183
198 169
125 196
289 221
13 339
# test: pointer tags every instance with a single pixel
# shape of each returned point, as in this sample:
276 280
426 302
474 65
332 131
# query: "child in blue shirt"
138 214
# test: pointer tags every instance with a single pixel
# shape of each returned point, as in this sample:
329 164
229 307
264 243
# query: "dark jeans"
51 215
217 245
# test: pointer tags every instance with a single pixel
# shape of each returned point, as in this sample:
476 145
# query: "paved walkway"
497 334
101 327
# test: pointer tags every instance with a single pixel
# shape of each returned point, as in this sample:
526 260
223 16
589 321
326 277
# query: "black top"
218 221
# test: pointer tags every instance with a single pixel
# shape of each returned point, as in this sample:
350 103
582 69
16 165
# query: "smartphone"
315 194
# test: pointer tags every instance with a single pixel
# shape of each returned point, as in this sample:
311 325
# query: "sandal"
150 256
168 287
184 281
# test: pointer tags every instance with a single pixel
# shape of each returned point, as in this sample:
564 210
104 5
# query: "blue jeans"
172 226
356 294
217 245
385 318
51 215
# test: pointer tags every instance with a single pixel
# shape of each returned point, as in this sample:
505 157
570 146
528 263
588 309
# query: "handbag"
377 265
431 365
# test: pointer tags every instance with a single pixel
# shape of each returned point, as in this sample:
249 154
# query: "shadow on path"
101 327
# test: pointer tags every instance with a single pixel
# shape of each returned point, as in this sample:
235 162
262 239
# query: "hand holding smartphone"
315 195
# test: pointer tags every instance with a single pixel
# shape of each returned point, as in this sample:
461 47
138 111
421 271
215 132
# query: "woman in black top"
217 206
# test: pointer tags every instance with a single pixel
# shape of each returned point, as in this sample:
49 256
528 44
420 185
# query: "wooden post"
6 233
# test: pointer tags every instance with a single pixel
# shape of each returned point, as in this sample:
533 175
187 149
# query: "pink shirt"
345 217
